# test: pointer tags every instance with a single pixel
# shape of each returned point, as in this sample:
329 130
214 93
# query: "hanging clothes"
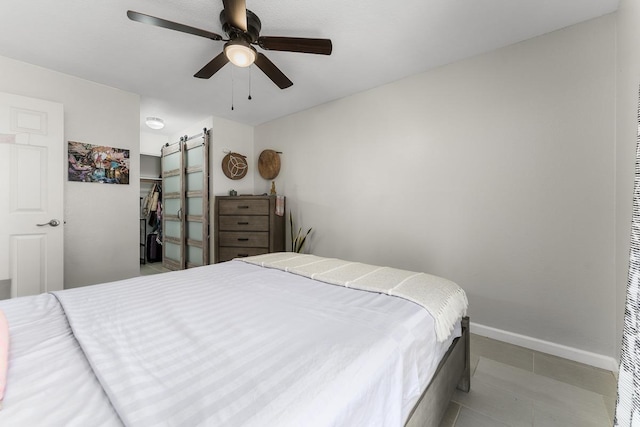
150 210
159 224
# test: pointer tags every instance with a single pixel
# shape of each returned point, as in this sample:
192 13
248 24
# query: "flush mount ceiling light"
240 53
154 122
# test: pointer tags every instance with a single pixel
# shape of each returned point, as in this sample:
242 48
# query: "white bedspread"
235 344
444 300
49 383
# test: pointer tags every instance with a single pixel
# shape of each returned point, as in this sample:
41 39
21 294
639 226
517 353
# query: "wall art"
234 166
269 164
98 163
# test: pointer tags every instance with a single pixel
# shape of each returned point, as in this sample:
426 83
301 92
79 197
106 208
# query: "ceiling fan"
243 29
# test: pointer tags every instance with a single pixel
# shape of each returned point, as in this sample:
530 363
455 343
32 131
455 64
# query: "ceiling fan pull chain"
251 67
231 88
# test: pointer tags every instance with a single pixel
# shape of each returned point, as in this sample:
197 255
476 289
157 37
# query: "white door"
32 171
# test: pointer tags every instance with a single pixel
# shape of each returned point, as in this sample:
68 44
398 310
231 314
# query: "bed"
273 340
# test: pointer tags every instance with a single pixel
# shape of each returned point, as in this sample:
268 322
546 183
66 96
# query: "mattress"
231 344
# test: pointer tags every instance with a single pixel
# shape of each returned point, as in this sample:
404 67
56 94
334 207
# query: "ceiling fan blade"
236 11
212 67
159 22
273 72
296 44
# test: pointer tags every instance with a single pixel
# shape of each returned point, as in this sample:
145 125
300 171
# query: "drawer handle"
243 255
243 207
243 223
243 239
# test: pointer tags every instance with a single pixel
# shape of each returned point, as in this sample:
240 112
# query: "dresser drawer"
243 207
243 222
227 253
244 239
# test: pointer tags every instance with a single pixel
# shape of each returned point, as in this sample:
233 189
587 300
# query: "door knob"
53 223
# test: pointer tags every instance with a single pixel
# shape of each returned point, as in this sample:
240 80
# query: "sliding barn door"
172 211
196 154
185 194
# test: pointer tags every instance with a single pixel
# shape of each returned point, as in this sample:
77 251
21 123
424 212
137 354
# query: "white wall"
151 143
232 136
496 172
628 80
101 229
192 130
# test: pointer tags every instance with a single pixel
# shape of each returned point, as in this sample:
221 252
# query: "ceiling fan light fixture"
154 122
240 53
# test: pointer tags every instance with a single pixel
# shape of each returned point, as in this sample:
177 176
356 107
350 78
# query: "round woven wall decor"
234 166
269 164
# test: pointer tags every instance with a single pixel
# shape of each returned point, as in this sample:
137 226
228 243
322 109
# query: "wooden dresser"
246 226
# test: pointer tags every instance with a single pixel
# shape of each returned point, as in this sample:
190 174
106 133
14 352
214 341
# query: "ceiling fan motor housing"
253 27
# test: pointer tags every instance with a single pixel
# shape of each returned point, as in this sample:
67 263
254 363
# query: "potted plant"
298 239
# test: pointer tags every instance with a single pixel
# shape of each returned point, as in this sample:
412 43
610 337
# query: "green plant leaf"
298 239
291 224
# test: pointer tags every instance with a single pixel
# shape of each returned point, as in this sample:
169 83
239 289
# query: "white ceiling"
374 42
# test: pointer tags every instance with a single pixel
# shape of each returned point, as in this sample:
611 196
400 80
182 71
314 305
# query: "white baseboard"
577 355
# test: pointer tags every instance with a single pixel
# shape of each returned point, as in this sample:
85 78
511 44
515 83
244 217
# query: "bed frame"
454 371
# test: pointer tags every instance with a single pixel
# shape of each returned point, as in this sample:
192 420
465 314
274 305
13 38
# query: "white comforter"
49 383
238 345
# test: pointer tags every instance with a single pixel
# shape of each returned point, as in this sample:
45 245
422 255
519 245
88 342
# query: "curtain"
628 401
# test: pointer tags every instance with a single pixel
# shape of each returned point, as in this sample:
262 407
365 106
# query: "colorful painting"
97 163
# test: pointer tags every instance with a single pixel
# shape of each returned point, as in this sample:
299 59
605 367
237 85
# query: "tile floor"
152 268
514 386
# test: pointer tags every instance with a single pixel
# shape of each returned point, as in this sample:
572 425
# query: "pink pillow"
4 354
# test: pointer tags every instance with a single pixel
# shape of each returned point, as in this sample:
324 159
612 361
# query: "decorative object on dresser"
246 226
